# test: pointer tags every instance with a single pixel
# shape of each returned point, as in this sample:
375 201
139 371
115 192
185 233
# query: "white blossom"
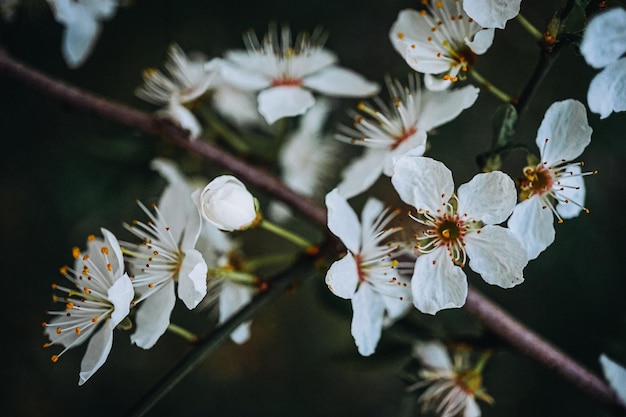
166 262
226 203
457 227
440 41
616 375
388 132
98 300
187 79
452 385
603 46
284 73
82 21
367 274
553 187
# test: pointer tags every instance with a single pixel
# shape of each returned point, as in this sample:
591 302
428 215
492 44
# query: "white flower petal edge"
153 318
437 283
607 91
616 375
492 13
367 319
422 182
233 297
432 354
342 277
343 221
497 255
284 101
340 82
192 286
97 352
564 132
533 226
604 40
498 197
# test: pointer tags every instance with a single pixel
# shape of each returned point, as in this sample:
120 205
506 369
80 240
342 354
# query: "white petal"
343 277
471 407
343 221
192 285
533 226
340 82
97 351
79 39
615 374
232 298
607 91
153 316
492 13
489 197
284 101
573 193
397 306
441 107
226 203
415 144
367 319
362 172
437 283
183 117
243 78
432 354
112 243
371 210
436 83
567 130
481 42
497 255
422 182
121 295
408 35
604 40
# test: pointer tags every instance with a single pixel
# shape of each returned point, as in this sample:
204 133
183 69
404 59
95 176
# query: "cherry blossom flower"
285 73
367 275
457 227
388 132
616 375
226 203
189 78
440 41
81 19
603 46
98 300
166 258
554 187
453 386
492 13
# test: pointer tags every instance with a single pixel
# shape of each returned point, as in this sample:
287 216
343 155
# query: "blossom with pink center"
285 73
554 187
388 132
367 275
458 227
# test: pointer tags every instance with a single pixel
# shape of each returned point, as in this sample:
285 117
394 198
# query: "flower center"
400 139
286 81
536 180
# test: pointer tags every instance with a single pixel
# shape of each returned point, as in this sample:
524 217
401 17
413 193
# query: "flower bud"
226 203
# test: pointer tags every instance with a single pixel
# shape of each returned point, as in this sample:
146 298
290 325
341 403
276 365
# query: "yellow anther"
54 358
77 330
91 238
400 35
104 250
75 252
58 330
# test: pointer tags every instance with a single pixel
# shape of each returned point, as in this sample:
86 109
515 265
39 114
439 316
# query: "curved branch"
496 319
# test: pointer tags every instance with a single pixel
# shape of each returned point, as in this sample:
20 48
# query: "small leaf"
503 124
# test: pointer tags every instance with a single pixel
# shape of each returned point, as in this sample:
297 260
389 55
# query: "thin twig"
500 322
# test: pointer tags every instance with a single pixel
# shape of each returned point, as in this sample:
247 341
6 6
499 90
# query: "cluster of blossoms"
182 252
493 224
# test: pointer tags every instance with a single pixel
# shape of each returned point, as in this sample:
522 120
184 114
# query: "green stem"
530 28
288 235
184 333
231 137
231 274
263 261
490 87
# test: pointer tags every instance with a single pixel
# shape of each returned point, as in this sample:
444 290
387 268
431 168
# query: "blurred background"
65 173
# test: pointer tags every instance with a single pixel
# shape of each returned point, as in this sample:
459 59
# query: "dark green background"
64 174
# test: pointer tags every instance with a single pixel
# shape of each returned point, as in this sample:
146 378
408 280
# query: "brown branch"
496 319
